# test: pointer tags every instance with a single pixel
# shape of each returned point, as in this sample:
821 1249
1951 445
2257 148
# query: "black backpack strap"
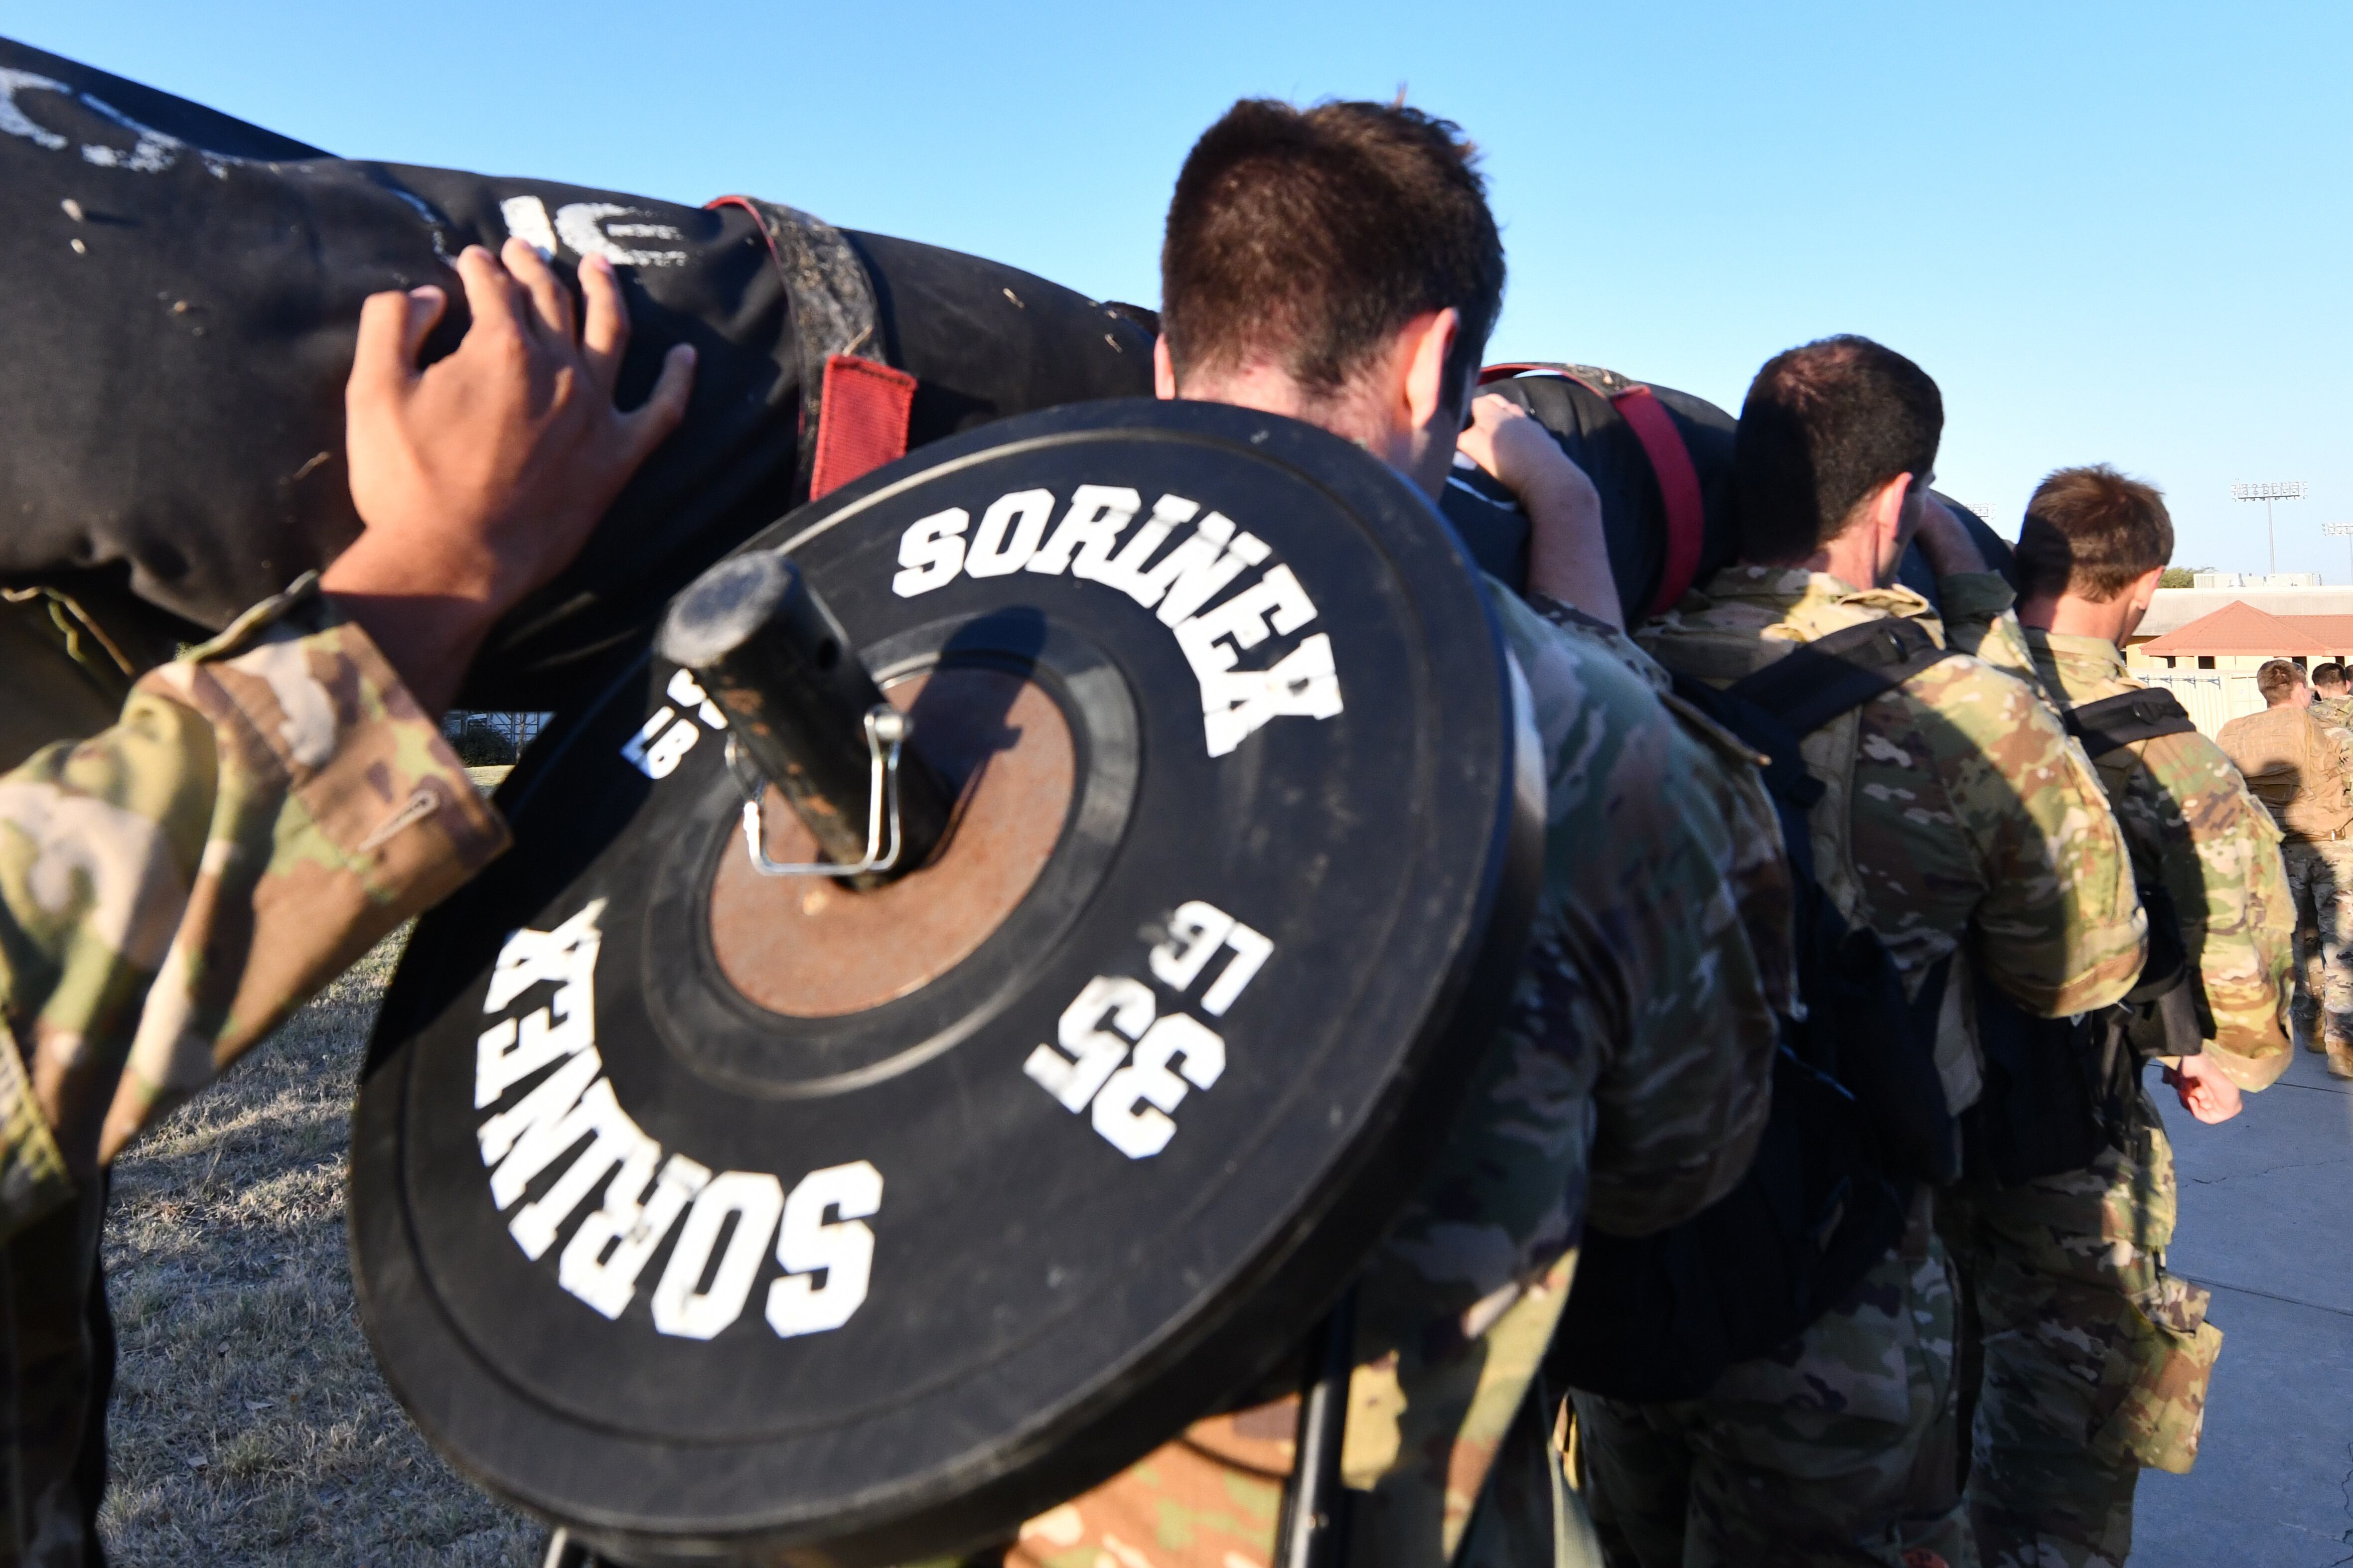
1817 681
2126 718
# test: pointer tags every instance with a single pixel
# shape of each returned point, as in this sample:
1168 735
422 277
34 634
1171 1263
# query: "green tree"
2181 576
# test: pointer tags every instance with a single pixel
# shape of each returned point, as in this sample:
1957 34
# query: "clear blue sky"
2112 232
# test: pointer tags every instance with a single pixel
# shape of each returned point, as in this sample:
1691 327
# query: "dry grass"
249 1426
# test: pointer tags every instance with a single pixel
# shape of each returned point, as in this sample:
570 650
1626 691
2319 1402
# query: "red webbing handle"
1678 486
1671 465
862 403
861 421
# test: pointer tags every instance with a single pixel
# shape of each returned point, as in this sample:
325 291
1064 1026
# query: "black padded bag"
1573 403
183 291
1596 437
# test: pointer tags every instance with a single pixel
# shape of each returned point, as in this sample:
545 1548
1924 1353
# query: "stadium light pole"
2343 530
2268 492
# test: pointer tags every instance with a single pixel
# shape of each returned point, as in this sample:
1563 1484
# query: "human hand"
1519 451
2205 1092
1568 556
480 478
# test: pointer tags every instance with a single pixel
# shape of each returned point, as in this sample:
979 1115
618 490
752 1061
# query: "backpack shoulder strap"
2126 718
1817 681
1782 767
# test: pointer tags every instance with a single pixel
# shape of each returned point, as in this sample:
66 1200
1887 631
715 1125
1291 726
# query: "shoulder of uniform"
1960 681
2189 752
2084 688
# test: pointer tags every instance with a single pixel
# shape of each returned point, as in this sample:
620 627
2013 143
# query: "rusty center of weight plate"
808 947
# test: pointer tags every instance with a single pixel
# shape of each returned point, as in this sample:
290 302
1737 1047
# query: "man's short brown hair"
1315 235
2091 531
2330 674
2278 679
1823 425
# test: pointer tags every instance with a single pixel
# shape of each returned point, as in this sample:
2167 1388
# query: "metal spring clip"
887 729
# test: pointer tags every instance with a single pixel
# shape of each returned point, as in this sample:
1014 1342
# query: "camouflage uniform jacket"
2191 822
1632 1080
1958 820
264 810
2336 712
2299 766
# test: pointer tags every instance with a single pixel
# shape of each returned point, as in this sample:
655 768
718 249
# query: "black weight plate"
1046 1293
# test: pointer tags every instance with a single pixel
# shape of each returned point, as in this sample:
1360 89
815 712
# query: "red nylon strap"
1678 486
861 421
1671 465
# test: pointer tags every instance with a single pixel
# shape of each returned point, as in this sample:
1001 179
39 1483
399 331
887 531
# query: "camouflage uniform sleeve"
1616 644
2060 928
2220 856
1665 926
170 890
1630 1082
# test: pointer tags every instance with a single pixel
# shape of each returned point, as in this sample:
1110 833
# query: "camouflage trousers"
2095 1359
1212 1499
2320 876
56 1368
1839 1450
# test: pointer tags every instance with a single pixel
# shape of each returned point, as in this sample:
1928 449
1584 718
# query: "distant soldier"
1340 265
2095 1360
269 806
1958 821
2303 770
2332 702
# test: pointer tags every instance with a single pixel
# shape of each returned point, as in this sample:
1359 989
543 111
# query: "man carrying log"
1339 265
271 805
1958 823
2094 1358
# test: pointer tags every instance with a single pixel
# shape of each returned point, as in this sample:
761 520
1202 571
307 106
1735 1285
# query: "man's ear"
1164 368
2143 592
1427 397
1888 511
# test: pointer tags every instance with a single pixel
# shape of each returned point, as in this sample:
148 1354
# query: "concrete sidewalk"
2267 1224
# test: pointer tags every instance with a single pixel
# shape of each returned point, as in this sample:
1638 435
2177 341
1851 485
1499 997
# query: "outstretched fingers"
551 301
492 294
605 324
650 424
393 328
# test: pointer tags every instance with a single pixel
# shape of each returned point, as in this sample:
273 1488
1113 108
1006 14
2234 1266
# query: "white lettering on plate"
1128 1064
1177 583
572 1113
657 748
